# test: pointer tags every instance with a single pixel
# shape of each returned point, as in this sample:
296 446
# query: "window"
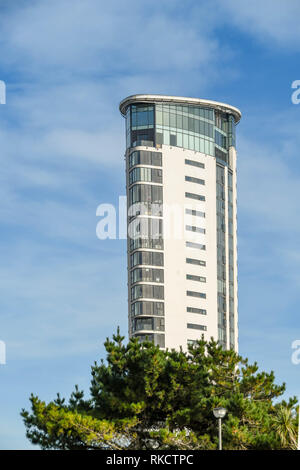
147 308
141 125
143 324
201 311
185 126
220 192
145 228
145 193
157 339
194 163
193 326
159 138
221 155
198 197
143 157
142 137
147 337
196 261
147 291
142 116
173 140
152 243
221 120
198 246
222 287
156 324
191 228
195 294
145 174
145 199
195 213
230 177
146 257
191 179
147 275
192 277
220 139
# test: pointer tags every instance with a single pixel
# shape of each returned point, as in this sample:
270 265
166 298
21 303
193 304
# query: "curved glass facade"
221 256
198 128
145 199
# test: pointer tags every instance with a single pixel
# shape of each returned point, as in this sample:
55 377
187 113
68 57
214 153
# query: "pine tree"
143 397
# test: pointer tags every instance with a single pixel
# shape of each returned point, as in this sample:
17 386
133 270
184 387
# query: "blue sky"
67 64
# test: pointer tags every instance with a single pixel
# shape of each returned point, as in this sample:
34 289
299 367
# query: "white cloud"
268 174
268 221
56 301
268 20
105 37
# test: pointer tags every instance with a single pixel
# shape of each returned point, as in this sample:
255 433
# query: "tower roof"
225 108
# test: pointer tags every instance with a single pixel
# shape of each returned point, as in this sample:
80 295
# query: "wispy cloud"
268 21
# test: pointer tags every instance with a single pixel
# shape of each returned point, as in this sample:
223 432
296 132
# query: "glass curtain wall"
231 262
145 197
191 127
221 256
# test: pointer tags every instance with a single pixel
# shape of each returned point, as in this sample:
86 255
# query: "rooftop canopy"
223 107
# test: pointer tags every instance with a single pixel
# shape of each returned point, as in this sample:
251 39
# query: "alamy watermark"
2 343
2 92
296 94
147 220
2 352
296 354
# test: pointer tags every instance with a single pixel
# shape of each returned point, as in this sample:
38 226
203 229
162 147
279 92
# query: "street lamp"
220 413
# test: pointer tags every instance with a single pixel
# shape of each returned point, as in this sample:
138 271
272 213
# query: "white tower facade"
182 243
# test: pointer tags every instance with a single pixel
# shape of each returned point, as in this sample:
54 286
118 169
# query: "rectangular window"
193 326
195 213
147 194
220 139
152 243
191 228
156 324
198 262
159 138
200 311
145 174
230 177
147 337
192 277
147 291
173 140
191 179
147 308
198 246
191 293
147 275
221 155
198 197
144 157
146 258
143 324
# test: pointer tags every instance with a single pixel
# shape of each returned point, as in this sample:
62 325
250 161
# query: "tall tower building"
182 245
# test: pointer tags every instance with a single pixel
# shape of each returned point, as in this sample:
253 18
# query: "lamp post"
220 413
298 446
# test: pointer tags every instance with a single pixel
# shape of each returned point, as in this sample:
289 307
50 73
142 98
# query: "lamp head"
219 412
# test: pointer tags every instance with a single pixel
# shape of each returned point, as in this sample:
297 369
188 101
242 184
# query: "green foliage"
144 397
